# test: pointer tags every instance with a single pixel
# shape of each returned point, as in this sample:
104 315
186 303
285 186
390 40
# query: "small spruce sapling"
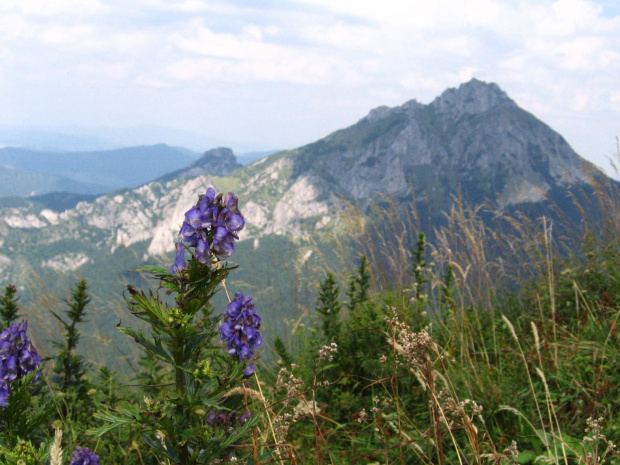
286 360
359 285
70 368
8 306
329 307
418 266
446 297
419 273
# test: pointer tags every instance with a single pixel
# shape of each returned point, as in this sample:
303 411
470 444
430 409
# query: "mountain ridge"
473 139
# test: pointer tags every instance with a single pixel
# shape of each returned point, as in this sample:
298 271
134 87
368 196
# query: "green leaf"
253 420
153 345
168 451
126 415
160 270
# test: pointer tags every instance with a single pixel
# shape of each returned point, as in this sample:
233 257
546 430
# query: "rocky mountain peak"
219 161
384 111
471 98
378 113
437 150
216 162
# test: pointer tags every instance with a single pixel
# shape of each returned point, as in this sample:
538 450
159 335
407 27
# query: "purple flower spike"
240 330
83 456
18 357
211 227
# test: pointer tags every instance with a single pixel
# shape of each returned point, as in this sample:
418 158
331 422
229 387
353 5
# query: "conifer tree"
359 285
418 266
8 306
280 349
329 307
70 367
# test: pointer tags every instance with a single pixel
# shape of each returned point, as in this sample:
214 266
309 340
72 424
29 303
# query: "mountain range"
87 172
28 172
473 142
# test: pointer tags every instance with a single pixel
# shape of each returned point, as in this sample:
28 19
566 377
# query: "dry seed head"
510 327
536 339
304 408
245 392
56 449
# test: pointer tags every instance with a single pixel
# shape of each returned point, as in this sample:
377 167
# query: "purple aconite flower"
18 357
179 262
210 227
83 456
240 330
227 420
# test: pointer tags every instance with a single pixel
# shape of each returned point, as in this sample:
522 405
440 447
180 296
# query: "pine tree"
418 266
359 285
70 367
8 306
280 349
329 307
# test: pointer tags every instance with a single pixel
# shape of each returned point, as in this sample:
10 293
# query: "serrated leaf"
153 345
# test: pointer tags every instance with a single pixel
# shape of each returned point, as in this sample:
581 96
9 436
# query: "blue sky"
279 74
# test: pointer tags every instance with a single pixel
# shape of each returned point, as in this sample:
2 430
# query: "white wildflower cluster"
595 437
508 456
512 452
281 425
303 409
375 409
411 347
327 352
465 407
291 386
288 382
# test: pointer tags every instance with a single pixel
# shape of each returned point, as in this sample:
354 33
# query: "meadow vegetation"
484 344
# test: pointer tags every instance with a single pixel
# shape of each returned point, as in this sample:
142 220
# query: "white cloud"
52 8
566 17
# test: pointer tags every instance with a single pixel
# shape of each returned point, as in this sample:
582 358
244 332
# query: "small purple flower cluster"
211 227
83 456
18 357
240 329
227 420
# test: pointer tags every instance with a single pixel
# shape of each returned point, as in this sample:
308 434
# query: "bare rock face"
474 139
473 98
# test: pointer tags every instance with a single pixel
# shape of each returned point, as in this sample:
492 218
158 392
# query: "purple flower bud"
245 416
179 262
83 456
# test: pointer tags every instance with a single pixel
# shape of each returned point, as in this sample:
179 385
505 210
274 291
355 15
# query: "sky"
258 75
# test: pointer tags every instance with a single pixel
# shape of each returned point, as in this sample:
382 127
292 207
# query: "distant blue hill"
27 172
20 183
